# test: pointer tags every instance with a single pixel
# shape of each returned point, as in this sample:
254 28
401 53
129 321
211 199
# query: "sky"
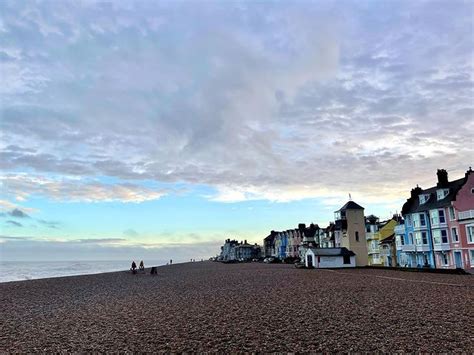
157 129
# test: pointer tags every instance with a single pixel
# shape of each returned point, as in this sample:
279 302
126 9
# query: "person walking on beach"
142 266
134 267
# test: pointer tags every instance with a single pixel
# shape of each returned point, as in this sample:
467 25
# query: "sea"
31 270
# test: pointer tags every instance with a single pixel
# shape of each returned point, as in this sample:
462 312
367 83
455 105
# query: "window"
444 259
442 219
454 235
437 236
472 257
410 238
470 234
418 238
444 236
397 241
408 220
347 259
357 236
424 238
422 220
368 229
440 194
402 240
423 198
416 220
434 217
452 216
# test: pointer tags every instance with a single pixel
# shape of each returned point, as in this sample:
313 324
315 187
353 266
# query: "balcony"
423 248
400 229
442 247
466 214
408 247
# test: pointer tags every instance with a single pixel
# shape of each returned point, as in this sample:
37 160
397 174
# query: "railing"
423 248
441 247
466 214
408 247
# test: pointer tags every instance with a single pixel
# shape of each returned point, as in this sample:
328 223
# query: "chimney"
468 172
301 226
416 191
442 178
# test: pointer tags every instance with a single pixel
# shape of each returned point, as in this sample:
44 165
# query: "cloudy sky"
157 129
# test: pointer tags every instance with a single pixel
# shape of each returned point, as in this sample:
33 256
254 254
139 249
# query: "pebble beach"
253 307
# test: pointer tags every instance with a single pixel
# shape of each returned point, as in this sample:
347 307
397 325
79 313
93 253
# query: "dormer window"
423 198
442 193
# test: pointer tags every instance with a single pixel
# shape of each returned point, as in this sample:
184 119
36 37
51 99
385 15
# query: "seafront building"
372 235
435 230
380 241
350 231
438 228
226 249
232 250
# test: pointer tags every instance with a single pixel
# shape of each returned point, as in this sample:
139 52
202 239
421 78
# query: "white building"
320 258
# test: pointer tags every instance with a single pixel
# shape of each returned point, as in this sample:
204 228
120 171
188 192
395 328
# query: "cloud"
271 106
49 224
14 223
17 213
7 205
99 240
74 190
130 233
21 248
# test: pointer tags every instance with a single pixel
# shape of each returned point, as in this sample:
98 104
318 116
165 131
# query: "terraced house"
379 239
439 225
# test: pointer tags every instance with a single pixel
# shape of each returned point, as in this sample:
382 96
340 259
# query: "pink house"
461 224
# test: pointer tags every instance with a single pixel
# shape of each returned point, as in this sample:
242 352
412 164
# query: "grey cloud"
99 240
49 224
268 100
14 223
17 213
23 248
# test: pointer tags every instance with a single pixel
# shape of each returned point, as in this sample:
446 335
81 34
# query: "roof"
413 203
351 205
331 251
390 239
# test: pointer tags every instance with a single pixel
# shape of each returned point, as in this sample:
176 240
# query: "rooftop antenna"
350 197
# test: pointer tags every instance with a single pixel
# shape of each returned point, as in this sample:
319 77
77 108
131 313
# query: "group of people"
133 269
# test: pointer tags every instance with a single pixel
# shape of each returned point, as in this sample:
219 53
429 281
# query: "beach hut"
329 258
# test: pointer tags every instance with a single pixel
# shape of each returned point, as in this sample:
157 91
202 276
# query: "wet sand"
207 306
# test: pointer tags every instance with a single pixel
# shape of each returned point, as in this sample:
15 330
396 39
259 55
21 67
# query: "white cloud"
74 190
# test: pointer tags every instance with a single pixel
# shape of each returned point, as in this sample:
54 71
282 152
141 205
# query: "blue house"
425 231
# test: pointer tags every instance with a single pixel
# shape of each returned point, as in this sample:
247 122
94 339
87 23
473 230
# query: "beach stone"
213 307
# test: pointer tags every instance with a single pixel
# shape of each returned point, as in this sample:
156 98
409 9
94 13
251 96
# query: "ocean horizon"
33 270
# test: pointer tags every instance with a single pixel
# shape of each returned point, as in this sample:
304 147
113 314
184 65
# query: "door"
309 261
458 259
